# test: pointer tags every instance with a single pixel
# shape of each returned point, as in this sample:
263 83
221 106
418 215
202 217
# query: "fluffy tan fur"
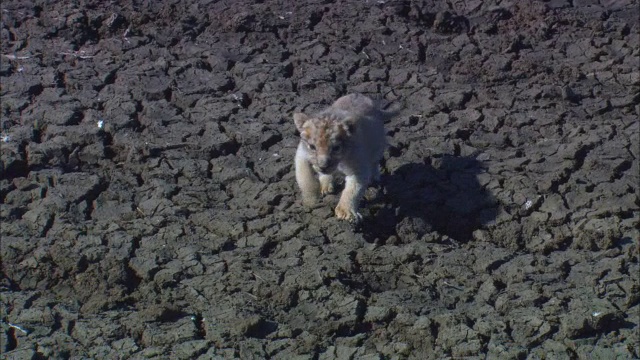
348 137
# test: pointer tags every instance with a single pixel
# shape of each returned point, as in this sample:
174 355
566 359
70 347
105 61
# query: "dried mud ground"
149 208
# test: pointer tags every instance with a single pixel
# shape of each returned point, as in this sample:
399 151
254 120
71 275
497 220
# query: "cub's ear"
299 119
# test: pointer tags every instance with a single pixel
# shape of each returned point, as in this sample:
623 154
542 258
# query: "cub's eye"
312 147
336 148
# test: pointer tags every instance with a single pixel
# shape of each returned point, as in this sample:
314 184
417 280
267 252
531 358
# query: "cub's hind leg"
375 172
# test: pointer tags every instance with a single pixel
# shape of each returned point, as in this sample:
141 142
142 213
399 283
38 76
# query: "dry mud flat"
149 208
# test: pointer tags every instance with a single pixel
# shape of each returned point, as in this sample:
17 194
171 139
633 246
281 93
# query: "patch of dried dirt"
149 207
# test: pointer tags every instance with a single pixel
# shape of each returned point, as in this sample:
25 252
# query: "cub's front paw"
348 213
310 200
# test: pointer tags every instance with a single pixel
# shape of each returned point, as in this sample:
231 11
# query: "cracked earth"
149 206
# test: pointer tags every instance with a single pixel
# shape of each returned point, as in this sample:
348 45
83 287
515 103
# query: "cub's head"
326 138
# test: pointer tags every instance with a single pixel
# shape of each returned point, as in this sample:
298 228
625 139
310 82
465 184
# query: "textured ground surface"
506 222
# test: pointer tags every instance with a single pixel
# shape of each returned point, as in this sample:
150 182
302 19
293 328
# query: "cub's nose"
326 167
324 163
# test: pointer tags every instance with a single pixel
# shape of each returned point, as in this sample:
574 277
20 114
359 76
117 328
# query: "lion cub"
349 137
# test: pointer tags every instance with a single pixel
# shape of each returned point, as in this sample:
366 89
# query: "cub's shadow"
441 195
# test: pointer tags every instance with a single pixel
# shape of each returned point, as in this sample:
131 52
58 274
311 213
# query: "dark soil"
149 207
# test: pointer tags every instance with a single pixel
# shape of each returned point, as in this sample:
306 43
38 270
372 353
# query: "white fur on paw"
349 214
309 201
